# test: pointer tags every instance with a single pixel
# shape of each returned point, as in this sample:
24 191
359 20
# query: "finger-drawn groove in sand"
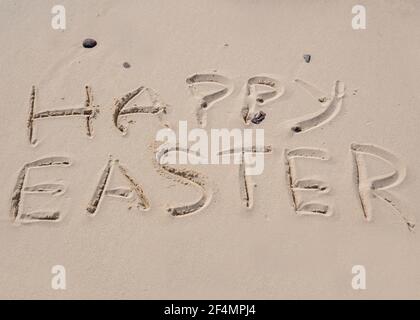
331 106
246 183
252 149
119 192
39 216
133 189
51 188
296 186
156 107
143 202
246 186
255 100
89 111
206 101
376 187
311 184
183 176
20 189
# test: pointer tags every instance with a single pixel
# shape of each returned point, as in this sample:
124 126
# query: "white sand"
225 250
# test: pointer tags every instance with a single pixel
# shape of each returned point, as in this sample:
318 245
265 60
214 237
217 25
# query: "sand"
365 80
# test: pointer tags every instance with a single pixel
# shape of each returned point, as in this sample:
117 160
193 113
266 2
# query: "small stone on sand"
89 43
307 58
297 129
259 117
126 65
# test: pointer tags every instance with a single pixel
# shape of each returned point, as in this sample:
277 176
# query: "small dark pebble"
297 129
307 58
260 100
126 65
89 43
204 105
259 117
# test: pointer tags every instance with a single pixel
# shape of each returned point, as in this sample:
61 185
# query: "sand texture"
81 186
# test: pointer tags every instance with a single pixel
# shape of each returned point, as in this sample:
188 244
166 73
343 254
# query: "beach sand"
123 249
